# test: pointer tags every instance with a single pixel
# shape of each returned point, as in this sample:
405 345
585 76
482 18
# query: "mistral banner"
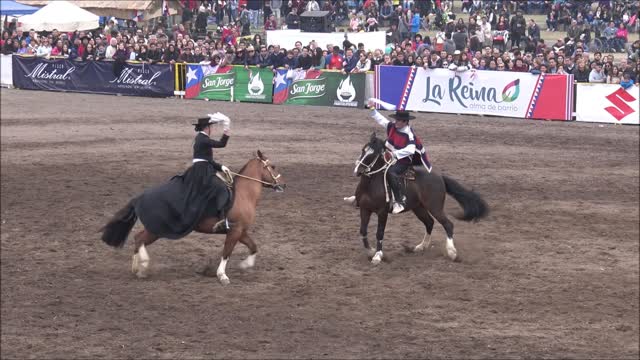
607 103
318 87
230 83
93 76
511 94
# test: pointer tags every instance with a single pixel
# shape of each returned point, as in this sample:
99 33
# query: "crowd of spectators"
487 35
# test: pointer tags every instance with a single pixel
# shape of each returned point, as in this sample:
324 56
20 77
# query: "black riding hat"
202 122
402 115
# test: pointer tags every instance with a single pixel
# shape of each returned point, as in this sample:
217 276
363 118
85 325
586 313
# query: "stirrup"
222 227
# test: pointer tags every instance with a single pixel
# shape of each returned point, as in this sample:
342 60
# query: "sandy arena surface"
552 272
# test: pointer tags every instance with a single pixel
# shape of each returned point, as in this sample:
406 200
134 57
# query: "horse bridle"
265 164
368 167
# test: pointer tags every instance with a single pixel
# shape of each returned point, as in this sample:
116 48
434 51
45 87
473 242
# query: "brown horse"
425 197
247 188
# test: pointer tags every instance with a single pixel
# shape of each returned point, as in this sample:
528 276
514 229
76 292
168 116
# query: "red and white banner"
497 93
607 103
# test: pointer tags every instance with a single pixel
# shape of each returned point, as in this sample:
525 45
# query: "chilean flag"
281 86
194 77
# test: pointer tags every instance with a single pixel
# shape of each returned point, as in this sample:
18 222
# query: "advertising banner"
318 87
253 85
229 83
210 82
5 70
512 94
93 76
607 103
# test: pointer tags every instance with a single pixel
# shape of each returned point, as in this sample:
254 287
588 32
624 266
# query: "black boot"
400 199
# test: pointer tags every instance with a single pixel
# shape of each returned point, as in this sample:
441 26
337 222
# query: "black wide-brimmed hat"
202 122
402 115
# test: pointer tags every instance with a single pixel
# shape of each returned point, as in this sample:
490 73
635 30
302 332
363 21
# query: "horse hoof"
377 258
249 262
141 275
224 280
452 254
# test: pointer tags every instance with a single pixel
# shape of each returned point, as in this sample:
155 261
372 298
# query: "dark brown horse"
247 188
425 197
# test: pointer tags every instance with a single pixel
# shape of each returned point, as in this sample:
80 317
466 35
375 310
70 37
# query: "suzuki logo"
620 98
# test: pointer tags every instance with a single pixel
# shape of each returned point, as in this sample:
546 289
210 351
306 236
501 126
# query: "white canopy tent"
60 15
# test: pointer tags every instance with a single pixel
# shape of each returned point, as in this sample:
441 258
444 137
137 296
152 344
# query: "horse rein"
265 164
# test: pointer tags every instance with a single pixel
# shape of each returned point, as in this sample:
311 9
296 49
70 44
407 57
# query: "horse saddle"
224 225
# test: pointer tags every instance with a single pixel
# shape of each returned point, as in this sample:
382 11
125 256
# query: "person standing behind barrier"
581 72
336 60
318 59
349 62
154 55
111 49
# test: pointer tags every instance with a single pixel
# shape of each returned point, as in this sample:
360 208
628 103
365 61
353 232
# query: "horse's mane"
241 171
376 143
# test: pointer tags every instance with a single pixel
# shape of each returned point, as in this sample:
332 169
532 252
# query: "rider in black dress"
174 209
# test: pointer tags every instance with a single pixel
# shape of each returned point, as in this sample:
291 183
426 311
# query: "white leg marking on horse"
249 262
222 276
371 252
451 249
351 200
143 262
377 258
134 264
422 246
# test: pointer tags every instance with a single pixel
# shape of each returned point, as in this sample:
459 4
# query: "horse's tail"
118 228
472 203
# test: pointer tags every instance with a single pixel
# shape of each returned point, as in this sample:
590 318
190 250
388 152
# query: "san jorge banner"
229 83
511 94
317 87
92 76
210 82
253 84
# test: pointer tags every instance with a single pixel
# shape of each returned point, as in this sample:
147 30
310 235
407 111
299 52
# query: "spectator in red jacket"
335 59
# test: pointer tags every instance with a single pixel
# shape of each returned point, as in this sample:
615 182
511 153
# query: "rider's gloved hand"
226 170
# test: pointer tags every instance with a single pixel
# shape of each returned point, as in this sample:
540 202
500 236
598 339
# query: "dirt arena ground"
553 272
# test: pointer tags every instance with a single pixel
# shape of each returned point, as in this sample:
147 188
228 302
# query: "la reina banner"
93 76
229 83
318 87
511 94
608 103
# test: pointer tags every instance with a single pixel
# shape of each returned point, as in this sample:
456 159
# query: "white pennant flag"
384 105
